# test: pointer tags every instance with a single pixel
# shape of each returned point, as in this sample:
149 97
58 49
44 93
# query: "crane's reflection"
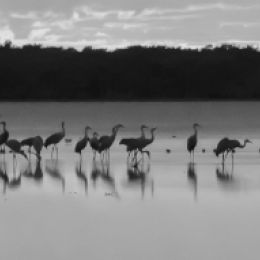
192 178
102 170
53 169
138 175
223 174
82 176
34 172
3 175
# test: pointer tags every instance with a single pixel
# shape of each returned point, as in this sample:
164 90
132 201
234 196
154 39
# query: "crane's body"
4 136
54 139
192 141
82 144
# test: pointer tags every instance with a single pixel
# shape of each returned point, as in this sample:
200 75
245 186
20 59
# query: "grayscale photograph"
129 130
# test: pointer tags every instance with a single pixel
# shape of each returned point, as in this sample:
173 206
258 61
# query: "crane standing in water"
106 141
233 144
132 143
192 141
145 142
3 137
54 139
95 145
81 144
227 145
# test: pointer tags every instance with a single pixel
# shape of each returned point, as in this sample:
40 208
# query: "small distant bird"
168 150
81 144
54 139
203 150
193 140
15 147
4 136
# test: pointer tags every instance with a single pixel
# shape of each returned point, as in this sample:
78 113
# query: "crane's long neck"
63 130
195 131
243 145
114 133
152 136
142 133
86 133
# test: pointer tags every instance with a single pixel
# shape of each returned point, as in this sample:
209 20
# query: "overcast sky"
117 23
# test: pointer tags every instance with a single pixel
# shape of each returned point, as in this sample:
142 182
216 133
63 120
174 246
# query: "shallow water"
168 209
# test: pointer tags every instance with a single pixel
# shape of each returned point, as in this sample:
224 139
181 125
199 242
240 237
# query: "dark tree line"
36 72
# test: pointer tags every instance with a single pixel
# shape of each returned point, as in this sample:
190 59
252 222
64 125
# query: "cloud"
170 22
6 33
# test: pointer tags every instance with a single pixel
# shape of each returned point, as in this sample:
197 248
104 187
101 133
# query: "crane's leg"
52 149
57 152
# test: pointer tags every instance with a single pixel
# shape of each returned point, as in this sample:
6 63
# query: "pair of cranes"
224 146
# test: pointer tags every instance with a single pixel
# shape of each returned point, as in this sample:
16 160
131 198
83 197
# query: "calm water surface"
168 209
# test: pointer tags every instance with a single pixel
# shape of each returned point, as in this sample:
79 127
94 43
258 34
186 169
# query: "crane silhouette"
106 141
227 145
133 143
15 147
81 144
192 141
145 142
95 145
54 139
4 136
234 144
222 148
33 142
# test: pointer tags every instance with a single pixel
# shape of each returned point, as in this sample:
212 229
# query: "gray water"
174 211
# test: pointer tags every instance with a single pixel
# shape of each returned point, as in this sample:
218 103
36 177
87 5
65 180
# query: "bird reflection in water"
192 178
223 175
53 169
139 175
102 170
3 175
34 172
82 176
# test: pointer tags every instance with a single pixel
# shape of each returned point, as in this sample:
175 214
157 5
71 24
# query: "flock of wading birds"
102 145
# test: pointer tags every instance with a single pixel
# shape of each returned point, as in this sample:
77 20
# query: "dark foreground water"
167 209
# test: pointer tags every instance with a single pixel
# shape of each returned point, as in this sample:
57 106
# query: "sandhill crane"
35 142
15 147
95 145
28 142
132 143
38 145
227 145
81 144
192 141
106 141
145 142
54 139
4 136
222 148
233 144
